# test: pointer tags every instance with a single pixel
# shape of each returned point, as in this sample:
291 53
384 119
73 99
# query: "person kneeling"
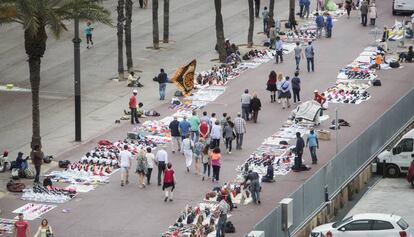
268 178
407 56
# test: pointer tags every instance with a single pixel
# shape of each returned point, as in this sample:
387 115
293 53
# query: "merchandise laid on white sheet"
81 188
348 93
50 194
6 226
33 211
155 131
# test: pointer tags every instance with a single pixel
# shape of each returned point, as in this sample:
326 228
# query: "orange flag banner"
184 78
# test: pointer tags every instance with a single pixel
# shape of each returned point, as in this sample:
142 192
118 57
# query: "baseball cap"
135 91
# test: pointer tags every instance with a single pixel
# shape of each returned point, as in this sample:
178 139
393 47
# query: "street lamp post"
76 45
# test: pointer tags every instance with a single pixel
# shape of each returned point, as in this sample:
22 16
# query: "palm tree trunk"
271 8
220 31
291 11
251 25
34 68
166 21
127 28
120 34
155 31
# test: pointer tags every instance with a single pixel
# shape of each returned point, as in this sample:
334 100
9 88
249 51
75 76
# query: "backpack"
15 187
229 228
169 176
64 164
394 64
376 82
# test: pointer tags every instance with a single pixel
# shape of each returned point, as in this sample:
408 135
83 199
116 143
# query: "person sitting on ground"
20 162
407 56
377 62
382 46
133 81
268 178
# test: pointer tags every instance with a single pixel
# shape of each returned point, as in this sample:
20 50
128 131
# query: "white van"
402 6
397 160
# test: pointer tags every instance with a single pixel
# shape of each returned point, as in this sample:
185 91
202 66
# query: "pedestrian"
245 104
364 12
169 183
257 8
320 99
205 117
385 34
240 129
204 131
265 16
298 54
145 3
184 127
310 56
212 119
141 169
133 106
286 95
44 230
216 163
271 86
223 209
223 121
372 13
141 3
279 82
300 144
37 158
198 154
254 185
296 88
21 227
320 24
279 50
150 164
301 7
206 160
272 36
348 7
229 135
313 143
161 159
195 123
125 158
88 32
215 134
187 148
162 81
175 134
329 25
255 105
307 9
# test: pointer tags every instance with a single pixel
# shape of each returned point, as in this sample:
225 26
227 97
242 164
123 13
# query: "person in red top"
204 131
320 98
169 182
21 227
133 107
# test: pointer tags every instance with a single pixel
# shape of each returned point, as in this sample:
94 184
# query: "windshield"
403 224
339 223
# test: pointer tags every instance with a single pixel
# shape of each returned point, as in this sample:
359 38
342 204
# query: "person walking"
272 36
216 163
348 7
133 106
300 144
298 54
37 157
240 129
320 24
286 95
271 86
296 88
169 183
204 131
223 209
88 32
184 127
187 148
175 134
162 81
320 99
313 143
125 158
310 56
150 164
257 8
206 160
329 25
279 50
255 105
145 3
385 34
229 135
198 154
254 185
215 134
141 169
364 12
141 3
161 159
205 118
195 123
279 82
44 230
21 227
301 7
372 13
265 16
245 104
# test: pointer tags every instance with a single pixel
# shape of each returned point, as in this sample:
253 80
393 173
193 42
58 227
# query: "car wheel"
392 171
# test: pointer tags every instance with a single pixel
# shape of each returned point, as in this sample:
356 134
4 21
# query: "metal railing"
309 198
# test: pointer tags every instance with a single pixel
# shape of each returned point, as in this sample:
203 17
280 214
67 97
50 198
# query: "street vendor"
320 98
268 178
254 185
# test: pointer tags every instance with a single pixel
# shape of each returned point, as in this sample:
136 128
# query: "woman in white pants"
187 148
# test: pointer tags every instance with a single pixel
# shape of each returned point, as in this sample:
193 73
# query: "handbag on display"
48 233
376 82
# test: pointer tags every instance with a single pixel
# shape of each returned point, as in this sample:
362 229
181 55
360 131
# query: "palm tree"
166 21
291 11
37 15
220 31
251 25
155 31
120 35
127 29
271 8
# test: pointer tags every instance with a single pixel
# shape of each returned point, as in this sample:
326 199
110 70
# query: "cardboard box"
324 135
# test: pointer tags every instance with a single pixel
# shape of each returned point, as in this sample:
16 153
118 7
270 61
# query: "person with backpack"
187 147
310 54
37 157
169 183
216 163
141 169
198 154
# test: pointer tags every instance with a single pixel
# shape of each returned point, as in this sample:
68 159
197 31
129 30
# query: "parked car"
365 225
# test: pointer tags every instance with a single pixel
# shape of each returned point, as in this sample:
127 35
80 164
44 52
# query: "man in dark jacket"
255 106
296 87
162 80
37 157
300 144
175 134
254 185
364 13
